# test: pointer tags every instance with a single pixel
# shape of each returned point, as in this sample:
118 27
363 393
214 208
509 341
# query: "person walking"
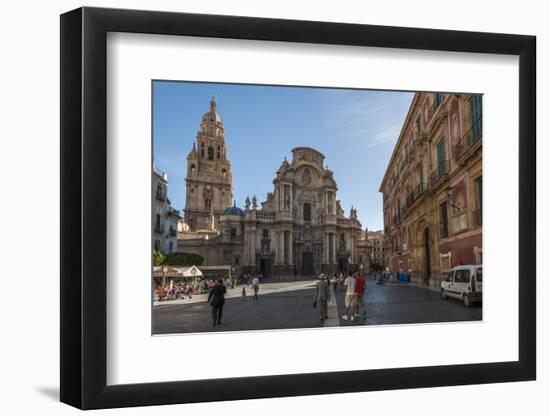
334 281
350 298
216 299
256 287
360 286
322 296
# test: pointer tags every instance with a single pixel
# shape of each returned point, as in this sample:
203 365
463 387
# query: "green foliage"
158 258
183 259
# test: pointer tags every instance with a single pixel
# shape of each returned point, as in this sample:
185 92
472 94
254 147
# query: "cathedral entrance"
343 265
265 267
307 263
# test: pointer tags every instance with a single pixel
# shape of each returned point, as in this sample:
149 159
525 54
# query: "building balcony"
283 216
471 138
160 196
415 194
440 172
263 216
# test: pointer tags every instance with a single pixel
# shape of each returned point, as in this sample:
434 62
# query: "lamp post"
449 194
164 271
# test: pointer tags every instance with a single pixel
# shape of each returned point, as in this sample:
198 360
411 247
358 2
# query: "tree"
158 258
183 259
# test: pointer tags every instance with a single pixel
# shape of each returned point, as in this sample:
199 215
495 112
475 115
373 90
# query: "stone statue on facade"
254 203
247 203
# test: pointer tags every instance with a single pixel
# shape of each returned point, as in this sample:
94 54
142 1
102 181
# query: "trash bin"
404 277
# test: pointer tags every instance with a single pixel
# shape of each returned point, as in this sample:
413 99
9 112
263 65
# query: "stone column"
290 249
281 248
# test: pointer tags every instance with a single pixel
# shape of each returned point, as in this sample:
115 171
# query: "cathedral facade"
299 230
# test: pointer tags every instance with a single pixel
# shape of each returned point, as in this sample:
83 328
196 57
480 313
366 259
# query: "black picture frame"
84 207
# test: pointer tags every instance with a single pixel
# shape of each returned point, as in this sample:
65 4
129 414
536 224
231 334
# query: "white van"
464 282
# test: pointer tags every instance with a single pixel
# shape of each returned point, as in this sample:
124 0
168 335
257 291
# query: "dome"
212 116
233 211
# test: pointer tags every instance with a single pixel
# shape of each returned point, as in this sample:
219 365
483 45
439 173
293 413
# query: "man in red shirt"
360 286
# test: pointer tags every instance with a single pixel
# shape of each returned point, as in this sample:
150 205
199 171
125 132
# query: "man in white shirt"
256 287
349 304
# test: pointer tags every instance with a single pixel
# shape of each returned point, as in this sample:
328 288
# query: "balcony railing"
478 217
472 136
265 216
440 171
415 194
160 196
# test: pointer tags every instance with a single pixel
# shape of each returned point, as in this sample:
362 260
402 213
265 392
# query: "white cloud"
367 118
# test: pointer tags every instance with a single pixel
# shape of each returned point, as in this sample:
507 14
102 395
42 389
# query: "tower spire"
213 104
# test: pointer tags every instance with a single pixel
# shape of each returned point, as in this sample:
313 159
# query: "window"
441 168
170 247
399 210
157 245
218 153
478 214
450 277
207 203
475 117
462 275
211 153
307 212
420 179
160 192
157 223
237 260
202 150
233 233
444 217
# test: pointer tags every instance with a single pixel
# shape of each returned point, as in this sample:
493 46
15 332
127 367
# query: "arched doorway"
427 260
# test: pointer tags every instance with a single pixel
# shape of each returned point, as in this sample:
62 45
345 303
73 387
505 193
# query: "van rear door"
479 280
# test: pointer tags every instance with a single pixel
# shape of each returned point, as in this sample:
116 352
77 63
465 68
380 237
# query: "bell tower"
208 182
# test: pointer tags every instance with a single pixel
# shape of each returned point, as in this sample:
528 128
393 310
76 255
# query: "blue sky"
356 130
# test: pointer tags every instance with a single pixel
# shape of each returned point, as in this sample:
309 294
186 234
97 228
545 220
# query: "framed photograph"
259 208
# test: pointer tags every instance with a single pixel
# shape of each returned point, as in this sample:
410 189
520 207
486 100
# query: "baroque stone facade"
432 188
300 228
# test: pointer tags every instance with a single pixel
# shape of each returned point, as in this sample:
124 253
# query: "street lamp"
164 271
449 193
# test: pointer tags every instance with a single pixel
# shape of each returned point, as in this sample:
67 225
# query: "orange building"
432 188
